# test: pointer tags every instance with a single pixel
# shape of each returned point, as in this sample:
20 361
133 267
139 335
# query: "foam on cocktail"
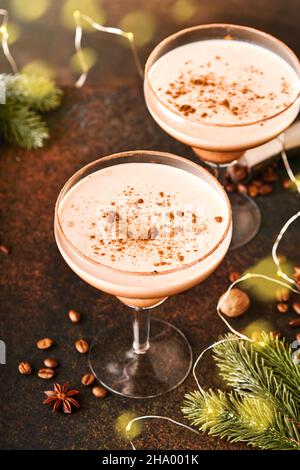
224 81
222 95
144 218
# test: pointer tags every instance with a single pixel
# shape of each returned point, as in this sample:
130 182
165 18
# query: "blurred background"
42 31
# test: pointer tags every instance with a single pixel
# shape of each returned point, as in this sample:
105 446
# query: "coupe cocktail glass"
142 226
223 89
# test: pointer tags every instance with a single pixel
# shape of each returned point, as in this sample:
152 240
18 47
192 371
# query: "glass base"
163 367
246 219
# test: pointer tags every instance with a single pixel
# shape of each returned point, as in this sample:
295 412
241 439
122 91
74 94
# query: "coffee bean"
287 184
265 189
282 294
99 392
242 188
277 334
257 183
237 172
269 176
24 368
82 346
298 336
252 191
234 276
51 362
5 250
295 323
46 373
282 307
44 343
88 379
74 316
296 307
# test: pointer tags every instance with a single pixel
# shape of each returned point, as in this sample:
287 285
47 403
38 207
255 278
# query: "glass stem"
141 330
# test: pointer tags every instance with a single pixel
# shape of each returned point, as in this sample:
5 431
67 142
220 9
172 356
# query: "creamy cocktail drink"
223 89
222 95
143 226
151 220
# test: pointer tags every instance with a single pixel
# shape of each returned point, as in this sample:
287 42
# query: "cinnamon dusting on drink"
208 91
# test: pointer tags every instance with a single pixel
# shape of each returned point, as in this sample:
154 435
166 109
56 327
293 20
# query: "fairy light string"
78 16
4 41
288 283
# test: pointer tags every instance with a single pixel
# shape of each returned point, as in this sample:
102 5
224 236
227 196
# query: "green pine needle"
39 93
263 408
26 97
21 126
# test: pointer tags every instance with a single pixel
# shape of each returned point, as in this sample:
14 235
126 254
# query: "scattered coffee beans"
87 379
82 346
277 334
296 307
44 343
50 362
234 276
46 373
295 323
24 368
74 316
265 189
282 307
252 190
5 250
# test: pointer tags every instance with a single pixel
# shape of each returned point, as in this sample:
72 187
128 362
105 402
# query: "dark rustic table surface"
38 288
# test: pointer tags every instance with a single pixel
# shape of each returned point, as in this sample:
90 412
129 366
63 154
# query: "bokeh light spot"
183 10
122 422
90 8
90 58
28 10
293 186
262 289
143 25
39 68
14 32
254 329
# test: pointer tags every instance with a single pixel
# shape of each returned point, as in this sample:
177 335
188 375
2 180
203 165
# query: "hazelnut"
234 303
99 392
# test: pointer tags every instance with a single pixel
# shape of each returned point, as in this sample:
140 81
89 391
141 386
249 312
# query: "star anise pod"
61 396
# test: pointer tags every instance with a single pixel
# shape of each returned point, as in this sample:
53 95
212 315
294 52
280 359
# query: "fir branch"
277 355
253 421
243 366
38 93
262 410
22 126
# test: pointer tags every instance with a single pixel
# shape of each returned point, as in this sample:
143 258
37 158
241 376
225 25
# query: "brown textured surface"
38 288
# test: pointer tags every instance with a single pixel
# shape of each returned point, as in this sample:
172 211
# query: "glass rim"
113 156
220 25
